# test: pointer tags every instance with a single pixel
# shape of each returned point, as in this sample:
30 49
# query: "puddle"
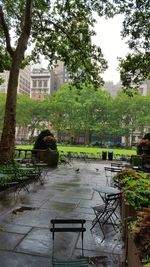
22 209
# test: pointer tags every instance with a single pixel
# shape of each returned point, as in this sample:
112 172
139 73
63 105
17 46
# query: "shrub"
136 187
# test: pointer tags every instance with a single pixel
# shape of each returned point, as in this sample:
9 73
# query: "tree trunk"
8 134
7 143
127 140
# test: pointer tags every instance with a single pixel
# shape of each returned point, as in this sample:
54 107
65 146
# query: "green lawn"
91 150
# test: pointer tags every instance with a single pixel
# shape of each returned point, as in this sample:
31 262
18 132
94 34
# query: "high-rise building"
23 81
59 75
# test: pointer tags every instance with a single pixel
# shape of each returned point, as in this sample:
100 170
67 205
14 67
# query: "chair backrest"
110 173
80 229
113 199
117 164
112 169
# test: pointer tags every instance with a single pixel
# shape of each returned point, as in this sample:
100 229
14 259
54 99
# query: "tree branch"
6 33
27 17
26 28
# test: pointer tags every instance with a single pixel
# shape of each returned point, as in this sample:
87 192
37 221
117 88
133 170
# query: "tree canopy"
58 30
136 28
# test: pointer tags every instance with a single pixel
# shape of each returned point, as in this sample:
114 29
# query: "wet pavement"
25 237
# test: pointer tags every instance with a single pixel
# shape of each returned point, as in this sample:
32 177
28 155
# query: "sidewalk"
25 237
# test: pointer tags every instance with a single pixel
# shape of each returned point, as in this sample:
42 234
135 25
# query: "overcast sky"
109 39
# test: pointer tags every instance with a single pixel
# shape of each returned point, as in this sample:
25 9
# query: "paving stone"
34 218
12 259
9 240
65 194
35 247
12 228
40 234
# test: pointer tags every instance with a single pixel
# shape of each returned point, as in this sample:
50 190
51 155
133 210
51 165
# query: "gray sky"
109 39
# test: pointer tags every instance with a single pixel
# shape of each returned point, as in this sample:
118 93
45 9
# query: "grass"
90 150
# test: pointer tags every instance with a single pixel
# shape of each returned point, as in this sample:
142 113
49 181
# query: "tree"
58 30
30 115
136 27
2 107
63 110
7 10
94 112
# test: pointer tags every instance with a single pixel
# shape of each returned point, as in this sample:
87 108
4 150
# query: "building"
40 83
23 81
112 88
144 88
45 81
59 75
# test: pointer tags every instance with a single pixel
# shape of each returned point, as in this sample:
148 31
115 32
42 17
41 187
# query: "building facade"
23 81
59 76
40 83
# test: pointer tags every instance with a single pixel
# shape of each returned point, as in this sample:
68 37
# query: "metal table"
106 190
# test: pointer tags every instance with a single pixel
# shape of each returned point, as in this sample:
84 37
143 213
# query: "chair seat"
82 262
102 208
71 263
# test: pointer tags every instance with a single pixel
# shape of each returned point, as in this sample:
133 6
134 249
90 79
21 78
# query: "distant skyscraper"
59 76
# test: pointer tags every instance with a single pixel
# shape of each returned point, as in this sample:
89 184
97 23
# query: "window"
34 83
141 90
40 83
45 83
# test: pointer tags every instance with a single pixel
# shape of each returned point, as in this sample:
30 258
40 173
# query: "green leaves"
134 69
136 27
65 30
136 187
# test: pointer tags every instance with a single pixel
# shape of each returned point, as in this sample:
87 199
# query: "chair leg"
97 220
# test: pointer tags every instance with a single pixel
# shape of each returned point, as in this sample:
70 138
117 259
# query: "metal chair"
110 173
106 212
117 165
66 263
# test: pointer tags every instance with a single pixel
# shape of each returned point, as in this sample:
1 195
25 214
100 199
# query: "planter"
127 212
132 253
137 239
48 156
146 163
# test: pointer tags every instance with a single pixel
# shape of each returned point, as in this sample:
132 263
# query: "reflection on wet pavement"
25 220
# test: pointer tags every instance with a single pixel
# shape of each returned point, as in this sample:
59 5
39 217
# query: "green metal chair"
73 262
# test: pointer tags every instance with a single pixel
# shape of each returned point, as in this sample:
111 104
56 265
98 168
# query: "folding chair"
106 212
117 164
110 173
66 263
